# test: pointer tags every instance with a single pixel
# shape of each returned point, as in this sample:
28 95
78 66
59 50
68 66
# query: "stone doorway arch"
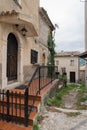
12 57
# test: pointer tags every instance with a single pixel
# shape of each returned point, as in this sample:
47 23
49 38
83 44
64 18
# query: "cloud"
69 15
70 46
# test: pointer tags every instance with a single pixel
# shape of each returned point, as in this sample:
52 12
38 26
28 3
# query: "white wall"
65 62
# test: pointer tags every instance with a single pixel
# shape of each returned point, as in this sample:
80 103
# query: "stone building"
24 29
82 73
68 62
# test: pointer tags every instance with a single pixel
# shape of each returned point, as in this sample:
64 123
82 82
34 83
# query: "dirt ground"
65 118
70 100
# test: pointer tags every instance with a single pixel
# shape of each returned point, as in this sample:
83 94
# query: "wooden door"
72 77
12 52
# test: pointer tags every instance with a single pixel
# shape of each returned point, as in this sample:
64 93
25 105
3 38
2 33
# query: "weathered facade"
23 40
82 73
68 62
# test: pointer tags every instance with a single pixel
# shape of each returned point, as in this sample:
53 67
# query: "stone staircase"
12 114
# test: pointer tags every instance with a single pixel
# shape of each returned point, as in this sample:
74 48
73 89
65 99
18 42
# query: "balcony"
22 20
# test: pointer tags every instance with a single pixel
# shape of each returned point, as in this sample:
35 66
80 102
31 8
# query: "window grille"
34 56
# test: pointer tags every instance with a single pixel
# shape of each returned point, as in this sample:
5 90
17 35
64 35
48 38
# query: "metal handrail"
45 76
42 72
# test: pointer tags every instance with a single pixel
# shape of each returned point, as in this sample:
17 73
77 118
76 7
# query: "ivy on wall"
51 47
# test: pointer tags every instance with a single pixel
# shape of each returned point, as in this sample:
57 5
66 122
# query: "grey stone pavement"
59 120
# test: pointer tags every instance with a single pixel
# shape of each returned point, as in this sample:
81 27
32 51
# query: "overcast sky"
69 15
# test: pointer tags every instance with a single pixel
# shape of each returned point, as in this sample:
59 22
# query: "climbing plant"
51 47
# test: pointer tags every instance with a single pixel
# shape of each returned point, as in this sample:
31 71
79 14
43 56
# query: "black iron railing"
14 105
43 76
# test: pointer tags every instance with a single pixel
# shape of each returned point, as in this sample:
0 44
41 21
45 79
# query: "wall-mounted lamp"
24 31
16 25
44 55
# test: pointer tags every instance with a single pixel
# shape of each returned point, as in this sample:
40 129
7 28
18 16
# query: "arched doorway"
12 56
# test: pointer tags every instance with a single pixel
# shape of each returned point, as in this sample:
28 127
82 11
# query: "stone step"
10 126
20 102
16 115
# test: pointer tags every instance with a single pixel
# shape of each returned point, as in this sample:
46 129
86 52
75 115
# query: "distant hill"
82 62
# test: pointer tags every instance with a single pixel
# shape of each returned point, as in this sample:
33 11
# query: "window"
57 62
34 56
71 62
63 70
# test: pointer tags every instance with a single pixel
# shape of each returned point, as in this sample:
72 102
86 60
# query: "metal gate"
12 106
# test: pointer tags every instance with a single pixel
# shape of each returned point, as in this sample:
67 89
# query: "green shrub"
58 103
35 127
83 99
58 96
51 101
57 100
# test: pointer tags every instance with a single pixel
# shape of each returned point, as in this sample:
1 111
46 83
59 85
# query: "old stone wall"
65 62
28 72
29 10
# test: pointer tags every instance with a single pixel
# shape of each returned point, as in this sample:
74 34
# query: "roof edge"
43 12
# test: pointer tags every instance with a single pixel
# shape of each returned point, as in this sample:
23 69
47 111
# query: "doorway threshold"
12 81
12 84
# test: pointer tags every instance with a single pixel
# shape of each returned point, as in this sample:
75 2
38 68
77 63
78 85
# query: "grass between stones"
72 113
36 127
57 99
82 97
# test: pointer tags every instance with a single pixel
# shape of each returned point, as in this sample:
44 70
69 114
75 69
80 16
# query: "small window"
71 62
57 62
63 70
34 56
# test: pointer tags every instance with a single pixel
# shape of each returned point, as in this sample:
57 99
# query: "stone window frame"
71 62
57 62
63 70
